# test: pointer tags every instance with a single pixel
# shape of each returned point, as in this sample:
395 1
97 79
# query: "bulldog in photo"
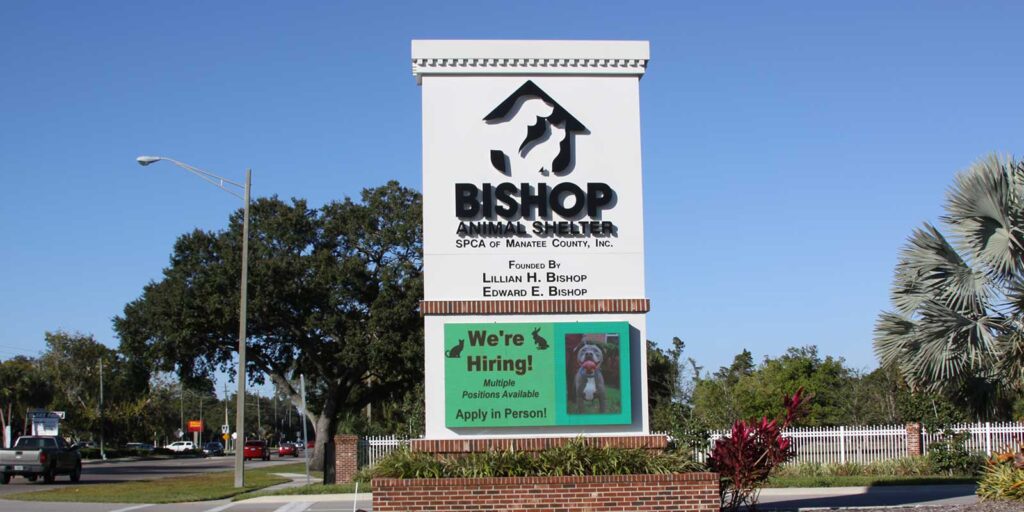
589 383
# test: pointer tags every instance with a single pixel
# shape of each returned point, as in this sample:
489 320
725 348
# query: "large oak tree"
333 294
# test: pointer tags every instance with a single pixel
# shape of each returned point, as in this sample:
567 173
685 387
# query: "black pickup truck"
45 456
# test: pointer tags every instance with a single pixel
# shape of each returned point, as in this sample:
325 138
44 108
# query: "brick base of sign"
533 444
346 458
525 307
680 492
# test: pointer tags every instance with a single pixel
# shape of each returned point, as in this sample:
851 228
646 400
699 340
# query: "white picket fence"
823 445
838 445
373 448
984 437
864 444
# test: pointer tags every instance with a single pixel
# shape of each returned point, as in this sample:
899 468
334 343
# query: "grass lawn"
613 402
201 487
863 480
308 489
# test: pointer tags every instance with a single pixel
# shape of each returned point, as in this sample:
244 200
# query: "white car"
181 446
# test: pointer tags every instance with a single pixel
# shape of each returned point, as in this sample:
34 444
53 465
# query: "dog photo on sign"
593 380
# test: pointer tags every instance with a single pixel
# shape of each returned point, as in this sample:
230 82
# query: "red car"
255 450
287 449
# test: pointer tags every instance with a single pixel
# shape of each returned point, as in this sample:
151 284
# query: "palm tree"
957 323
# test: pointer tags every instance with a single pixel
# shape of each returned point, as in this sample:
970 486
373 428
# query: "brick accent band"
696 492
533 444
516 307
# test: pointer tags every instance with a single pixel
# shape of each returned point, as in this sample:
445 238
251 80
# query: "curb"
845 491
87 462
363 496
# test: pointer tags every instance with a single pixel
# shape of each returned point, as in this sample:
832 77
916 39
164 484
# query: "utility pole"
203 427
103 453
226 409
302 416
240 402
181 400
259 421
223 184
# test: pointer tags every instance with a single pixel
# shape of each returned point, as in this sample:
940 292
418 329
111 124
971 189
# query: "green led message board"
537 374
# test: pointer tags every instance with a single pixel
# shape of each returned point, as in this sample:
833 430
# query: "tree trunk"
323 424
323 433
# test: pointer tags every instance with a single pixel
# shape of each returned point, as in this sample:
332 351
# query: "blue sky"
789 147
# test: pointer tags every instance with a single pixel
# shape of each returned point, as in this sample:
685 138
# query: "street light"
223 184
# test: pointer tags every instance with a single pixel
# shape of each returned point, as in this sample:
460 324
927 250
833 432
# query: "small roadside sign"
224 429
179 433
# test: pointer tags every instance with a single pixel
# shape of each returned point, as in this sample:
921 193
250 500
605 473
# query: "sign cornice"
628 58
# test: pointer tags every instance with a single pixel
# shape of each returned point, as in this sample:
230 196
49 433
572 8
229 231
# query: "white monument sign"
534 295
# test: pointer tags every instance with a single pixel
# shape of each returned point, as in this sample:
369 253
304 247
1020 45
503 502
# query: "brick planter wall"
533 444
678 492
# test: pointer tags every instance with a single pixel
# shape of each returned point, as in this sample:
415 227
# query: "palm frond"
894 338
1010 356
930 268
952 346
982 206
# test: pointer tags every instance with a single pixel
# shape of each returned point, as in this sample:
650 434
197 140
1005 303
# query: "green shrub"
575 458
904 466
1003 476
949 455
1002 482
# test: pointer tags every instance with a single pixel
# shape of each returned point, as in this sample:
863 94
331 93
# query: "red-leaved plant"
746 457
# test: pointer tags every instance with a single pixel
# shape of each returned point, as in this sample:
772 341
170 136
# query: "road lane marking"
135 507
222 507
298 506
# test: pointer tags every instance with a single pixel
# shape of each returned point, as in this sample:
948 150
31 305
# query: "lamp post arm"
209 177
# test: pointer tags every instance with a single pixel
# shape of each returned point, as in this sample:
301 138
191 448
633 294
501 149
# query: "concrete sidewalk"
879 496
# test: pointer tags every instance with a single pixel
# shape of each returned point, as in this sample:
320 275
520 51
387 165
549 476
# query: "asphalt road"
105 472
209 506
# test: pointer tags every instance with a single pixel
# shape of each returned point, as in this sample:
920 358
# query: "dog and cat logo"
543 129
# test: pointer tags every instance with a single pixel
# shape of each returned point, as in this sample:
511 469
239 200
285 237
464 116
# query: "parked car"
45 456
255 450
213 448
181 446
287 449
142 447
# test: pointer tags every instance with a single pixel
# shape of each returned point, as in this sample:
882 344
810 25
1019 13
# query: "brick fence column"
346 458
914 440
